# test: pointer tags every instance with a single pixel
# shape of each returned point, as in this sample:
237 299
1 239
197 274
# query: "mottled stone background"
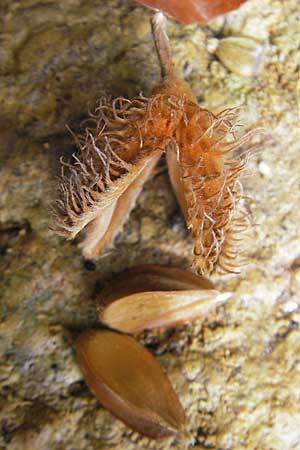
238 372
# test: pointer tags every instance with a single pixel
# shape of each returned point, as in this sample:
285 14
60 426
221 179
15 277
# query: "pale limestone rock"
237 373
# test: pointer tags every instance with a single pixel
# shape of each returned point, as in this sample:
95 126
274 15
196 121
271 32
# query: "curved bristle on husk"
116 156
205 172
153 296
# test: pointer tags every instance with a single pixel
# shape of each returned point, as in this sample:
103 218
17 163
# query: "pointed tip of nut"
160 17
223 297
186 437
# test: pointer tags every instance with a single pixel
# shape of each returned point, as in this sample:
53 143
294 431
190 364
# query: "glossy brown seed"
153 296
189 11
129 382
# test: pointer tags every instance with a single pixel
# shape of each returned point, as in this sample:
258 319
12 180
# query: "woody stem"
162 44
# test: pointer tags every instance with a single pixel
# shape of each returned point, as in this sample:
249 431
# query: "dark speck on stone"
3 250
89 265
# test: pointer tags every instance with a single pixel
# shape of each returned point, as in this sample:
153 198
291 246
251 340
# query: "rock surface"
237 373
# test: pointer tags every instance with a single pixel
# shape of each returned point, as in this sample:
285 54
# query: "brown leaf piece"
129 382
189 11
153 296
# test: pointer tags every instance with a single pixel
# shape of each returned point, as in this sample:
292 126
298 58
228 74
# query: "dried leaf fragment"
129 382
155 296
189 11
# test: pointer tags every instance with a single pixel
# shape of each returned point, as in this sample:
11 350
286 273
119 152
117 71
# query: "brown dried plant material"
154 296
205 173
117 156
189 11
205 169
129 382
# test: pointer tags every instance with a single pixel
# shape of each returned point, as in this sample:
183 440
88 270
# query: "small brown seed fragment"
155 296
129 382
241 55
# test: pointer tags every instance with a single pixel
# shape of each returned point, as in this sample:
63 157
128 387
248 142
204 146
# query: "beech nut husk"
122 144
154 296
129 382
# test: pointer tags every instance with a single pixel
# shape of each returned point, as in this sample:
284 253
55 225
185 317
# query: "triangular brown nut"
155 296
129 382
